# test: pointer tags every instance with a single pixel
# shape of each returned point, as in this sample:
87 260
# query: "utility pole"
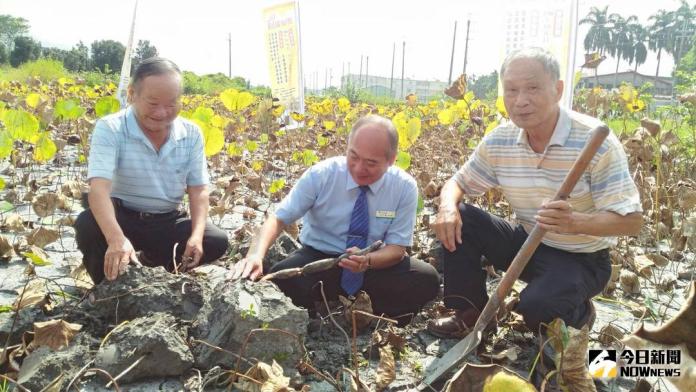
466 45
403 62
454 39
229 52
367 69
391 81
326 79
360 74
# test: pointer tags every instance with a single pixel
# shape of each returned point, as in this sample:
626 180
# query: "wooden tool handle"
598 134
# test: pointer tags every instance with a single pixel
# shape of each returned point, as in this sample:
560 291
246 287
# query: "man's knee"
471 216
534 311
216 243
86 228
539 307
429 281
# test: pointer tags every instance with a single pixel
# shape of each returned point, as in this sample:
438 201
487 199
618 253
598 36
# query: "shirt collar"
560 133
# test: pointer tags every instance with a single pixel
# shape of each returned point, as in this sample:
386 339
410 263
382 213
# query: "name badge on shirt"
385 214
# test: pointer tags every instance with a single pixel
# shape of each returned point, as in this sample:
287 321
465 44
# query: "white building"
386 87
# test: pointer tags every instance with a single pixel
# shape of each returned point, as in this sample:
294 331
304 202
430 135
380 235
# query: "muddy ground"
170 315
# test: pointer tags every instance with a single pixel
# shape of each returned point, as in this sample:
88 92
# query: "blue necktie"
357 236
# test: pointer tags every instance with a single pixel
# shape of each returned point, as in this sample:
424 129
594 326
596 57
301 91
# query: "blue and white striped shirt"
145 179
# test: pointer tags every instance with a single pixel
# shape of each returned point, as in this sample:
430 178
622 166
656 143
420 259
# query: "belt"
149 215
144 215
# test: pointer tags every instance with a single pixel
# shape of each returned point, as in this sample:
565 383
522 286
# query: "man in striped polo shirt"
142 160
528 160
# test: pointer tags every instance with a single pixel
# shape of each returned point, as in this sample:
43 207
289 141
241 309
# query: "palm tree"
620 43
660 35
683 28
639 51
599 35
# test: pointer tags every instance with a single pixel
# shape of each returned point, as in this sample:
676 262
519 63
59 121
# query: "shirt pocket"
382 225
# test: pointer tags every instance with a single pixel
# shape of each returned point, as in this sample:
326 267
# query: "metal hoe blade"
451 359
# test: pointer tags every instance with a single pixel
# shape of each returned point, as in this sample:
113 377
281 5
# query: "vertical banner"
548 24
122 92
282 26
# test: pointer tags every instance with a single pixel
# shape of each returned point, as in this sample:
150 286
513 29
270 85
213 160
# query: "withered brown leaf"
55 334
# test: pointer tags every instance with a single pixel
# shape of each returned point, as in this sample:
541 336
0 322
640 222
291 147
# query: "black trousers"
559 283
153 234
398 291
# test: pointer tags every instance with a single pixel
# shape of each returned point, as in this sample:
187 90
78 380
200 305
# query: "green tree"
484 86
685 73
599 35
77 59
107 55
142 52
54 53
638 52
683 30
12 27
25 49
620 45
659 35
4 56
211 84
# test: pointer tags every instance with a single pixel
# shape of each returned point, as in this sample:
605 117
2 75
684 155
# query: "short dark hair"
387 124
153 66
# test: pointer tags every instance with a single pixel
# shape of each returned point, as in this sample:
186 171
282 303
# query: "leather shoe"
457 325
591 315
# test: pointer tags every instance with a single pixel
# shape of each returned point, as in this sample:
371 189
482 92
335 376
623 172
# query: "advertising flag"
282 35
122 92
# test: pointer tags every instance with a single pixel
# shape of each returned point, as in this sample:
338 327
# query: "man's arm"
475 177
199 203
559 217
448 222
119 251
251 266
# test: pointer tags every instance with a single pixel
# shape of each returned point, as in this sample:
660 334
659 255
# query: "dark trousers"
153 234
559 283
398 291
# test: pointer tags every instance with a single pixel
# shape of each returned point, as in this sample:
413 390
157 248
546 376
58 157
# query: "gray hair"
543 56
386 124
153 66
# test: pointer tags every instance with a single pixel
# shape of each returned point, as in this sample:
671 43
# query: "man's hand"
355 263
192 254
448 227
556 216
250 267
118 254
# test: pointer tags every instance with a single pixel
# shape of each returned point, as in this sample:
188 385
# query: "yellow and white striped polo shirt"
505 159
